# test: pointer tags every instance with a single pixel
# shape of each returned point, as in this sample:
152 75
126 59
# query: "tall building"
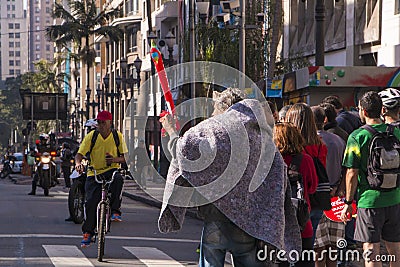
39 19
13 39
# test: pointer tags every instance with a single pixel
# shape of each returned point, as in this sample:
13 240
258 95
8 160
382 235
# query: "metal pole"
242 43
192 51
32 122
319 33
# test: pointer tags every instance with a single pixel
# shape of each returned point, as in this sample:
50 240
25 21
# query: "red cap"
104 116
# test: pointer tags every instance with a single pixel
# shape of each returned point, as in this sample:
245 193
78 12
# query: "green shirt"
356 157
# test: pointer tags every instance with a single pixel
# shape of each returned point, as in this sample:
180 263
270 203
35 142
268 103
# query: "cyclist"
390 106
105 157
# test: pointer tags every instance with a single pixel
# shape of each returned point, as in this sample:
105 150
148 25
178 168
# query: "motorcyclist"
41 147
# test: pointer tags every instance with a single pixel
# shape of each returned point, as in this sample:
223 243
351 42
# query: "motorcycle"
76 197
7 167
46 171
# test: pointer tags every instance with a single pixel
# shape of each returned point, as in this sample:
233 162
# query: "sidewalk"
131 190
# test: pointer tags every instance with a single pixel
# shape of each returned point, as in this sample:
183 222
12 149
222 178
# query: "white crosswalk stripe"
153 257
72 256
66 256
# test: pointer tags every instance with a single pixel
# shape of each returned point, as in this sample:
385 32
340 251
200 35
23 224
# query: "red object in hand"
337 207
162 76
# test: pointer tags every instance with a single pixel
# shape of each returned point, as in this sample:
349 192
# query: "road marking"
153 257
52 236
66 256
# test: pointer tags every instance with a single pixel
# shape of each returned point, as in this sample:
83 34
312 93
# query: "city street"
33 233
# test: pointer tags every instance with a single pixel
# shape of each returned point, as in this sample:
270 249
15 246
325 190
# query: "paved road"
33 233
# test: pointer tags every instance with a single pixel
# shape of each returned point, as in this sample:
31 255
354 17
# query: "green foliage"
80 22
11 112
294 62
44 79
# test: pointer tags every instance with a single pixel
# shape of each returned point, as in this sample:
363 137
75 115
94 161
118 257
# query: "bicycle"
103 211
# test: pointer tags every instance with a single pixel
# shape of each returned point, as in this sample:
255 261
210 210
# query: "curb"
157 204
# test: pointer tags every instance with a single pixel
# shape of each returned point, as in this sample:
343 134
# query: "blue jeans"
315 217
219 237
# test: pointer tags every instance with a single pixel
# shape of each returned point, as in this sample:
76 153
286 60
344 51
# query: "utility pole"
153 72
192 52
242 43
319 33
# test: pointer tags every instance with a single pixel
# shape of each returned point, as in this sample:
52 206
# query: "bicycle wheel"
101 232
76 199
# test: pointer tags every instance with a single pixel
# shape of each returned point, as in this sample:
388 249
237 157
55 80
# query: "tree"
80 22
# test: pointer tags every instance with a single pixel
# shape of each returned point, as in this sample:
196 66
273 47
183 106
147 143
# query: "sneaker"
87 240
32 193
116 217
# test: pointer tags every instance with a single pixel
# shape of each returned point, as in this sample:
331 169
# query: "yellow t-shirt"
100 148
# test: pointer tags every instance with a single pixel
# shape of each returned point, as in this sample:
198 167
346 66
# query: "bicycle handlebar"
101 181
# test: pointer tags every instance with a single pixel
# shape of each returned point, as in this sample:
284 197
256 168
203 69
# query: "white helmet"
91 123
390 97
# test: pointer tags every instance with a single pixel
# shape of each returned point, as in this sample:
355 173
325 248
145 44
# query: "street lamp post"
99 94
106 83
170 40
88 91
117 96
138 65
152 37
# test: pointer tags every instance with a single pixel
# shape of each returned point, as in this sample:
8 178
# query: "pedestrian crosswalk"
71 256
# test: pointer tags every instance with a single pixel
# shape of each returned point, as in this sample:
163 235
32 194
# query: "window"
11 35
37 9
37 37
47 47
11 72
37 47
13 7
37 28
8 7
13 16
18 53
11 62
397 7
11 53
48 10
18 72
37 19
17 44
17 62
17 35
11 44
10 25
37 56
17 26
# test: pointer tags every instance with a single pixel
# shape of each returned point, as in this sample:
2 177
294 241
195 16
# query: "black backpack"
383 166
321 199
297 188
116 140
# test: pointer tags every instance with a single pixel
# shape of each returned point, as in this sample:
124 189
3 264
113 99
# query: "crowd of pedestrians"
325 133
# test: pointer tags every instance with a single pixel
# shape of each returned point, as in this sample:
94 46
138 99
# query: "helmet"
91 124
43 136
390 97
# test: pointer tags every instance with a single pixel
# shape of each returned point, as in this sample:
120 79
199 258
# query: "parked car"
17 167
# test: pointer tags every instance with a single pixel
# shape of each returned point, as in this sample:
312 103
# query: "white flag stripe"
66 256
153 257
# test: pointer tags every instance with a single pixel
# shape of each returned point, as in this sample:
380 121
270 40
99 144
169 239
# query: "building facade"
13 39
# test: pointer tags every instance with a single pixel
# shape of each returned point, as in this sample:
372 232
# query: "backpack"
296 185
321 199
383 166
116 140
